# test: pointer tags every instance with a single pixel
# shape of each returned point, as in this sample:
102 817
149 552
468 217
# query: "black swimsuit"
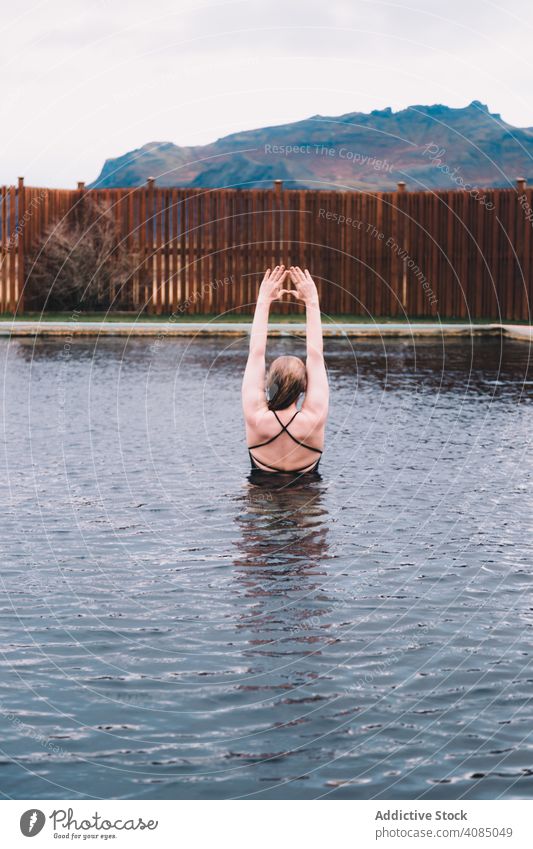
255 467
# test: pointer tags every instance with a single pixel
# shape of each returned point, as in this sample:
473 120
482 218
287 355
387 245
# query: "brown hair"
285 381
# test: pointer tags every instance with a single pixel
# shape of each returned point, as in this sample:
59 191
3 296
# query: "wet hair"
285 381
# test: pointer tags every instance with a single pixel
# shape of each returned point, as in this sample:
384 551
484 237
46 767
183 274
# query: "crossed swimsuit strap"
284 429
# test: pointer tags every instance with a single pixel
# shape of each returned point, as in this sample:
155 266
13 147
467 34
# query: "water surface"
170 629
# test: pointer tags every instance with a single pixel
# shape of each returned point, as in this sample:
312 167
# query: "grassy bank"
234 318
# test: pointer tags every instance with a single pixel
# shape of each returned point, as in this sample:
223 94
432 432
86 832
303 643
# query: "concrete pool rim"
75 328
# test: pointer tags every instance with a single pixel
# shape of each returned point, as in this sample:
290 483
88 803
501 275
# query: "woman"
281 437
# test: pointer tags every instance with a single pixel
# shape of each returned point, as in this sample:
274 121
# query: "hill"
429 147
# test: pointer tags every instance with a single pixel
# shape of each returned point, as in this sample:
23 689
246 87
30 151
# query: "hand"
271 287
306 290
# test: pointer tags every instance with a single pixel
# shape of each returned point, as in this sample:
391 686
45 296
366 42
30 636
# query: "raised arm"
253 384
317 393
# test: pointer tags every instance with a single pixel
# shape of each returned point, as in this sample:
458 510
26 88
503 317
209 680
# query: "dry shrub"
80 264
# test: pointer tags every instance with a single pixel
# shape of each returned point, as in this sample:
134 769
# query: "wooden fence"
446 253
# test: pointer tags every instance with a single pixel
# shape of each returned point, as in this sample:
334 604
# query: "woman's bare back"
297 447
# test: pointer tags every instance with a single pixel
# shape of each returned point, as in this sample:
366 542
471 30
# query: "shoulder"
312 417
260 421
254 406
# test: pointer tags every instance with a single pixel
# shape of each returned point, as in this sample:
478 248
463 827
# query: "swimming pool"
169 629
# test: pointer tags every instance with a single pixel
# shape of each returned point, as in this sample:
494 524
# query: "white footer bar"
268 824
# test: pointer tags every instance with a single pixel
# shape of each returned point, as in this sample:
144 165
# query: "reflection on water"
174 627
281 551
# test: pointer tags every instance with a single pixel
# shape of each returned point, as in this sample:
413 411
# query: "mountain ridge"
426 146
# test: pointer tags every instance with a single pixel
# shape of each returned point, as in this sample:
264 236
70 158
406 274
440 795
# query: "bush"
80 263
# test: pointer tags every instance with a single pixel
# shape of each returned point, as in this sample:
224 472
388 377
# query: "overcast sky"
84 80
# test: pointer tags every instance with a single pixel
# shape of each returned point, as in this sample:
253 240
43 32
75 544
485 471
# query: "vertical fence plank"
430 268
12 241
379 255
217 241
394 259
3 250
255 252
198 290
220 249
159 198
182 229
208 250
204 251
518 241
525 277
166 300
191 279
239 239
140 196
150 223
360 302
129 214
173 250
447 269
21 241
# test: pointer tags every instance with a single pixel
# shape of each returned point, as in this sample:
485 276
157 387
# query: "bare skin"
309 425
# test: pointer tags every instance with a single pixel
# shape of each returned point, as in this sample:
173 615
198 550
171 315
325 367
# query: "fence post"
21 242
401 241
149 290
77 208
278 224
3 250
521 309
